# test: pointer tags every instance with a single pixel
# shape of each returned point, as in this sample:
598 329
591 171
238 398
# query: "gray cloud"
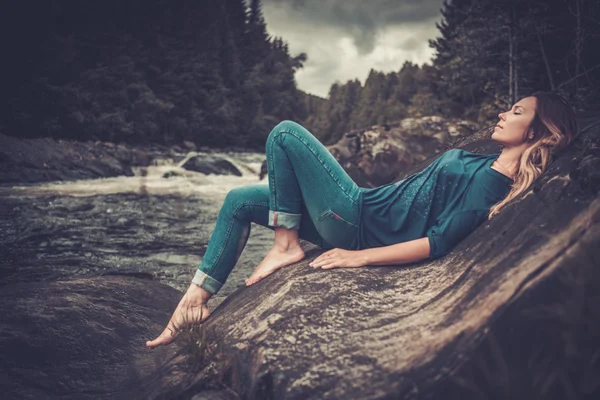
362 19
344 39
409 44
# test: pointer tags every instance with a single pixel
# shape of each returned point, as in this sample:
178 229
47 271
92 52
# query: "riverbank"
26 161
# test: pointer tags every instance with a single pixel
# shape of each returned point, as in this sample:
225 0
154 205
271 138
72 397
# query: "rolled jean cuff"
206 282
284 220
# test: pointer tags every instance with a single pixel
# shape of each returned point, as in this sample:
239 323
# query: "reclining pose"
310 196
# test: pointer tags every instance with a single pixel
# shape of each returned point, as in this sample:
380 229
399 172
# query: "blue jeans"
308 190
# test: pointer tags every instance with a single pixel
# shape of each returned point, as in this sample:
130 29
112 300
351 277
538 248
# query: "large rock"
83 338
209 164
424 330
46 159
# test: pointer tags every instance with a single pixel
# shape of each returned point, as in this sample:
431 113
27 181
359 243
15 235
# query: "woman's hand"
339 258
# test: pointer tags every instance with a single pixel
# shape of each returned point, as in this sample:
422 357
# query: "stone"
82 337
188 145
210 164
45 159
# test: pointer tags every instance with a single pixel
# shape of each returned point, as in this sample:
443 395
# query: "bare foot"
192 308
276 258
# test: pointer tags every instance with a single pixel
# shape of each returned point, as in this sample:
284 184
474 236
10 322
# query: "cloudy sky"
344 39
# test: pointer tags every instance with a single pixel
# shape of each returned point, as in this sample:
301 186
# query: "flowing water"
145 225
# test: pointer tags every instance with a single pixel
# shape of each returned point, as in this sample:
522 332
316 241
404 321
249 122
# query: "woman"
310 196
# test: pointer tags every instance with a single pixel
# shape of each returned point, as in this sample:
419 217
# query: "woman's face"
512 128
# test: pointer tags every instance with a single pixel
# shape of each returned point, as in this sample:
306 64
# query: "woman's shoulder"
462 152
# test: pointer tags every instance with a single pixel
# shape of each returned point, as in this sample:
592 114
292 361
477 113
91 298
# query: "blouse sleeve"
450 230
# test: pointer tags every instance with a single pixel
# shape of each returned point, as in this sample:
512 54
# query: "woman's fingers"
324 258
321 263
326 264
329 266
336 258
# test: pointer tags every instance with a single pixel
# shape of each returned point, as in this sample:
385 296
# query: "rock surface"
403 331
210 164
83 338
38 160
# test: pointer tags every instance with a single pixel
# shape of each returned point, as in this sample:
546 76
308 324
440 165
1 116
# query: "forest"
207 71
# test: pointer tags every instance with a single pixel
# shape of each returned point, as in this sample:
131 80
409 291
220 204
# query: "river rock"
189 145
210 164
82 338
35 160
515 304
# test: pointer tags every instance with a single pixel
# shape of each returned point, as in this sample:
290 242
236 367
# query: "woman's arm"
399 253
440 240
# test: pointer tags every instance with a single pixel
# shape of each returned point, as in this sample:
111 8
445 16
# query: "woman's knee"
247 195
285 126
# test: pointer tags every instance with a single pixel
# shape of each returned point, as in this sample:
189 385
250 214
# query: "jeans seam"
297 136
222 249
272 177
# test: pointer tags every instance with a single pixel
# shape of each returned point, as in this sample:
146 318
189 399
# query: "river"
144 225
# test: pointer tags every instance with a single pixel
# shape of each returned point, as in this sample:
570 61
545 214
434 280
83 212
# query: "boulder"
263 170
512 311
82 338
46 159
171 174
209 164
189 145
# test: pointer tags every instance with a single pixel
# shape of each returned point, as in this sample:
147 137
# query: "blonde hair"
554 127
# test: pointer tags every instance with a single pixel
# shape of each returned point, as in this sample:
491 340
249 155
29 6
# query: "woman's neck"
509 160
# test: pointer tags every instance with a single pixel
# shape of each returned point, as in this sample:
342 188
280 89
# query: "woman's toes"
164 338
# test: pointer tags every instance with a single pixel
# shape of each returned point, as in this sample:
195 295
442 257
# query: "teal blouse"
445 202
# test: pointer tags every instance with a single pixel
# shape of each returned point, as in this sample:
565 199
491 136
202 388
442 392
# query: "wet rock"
210 164
189 145
587 173
83 338
406 331
35 160
263 170
170 174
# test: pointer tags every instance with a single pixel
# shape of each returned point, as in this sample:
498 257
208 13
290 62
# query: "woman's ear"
530 134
